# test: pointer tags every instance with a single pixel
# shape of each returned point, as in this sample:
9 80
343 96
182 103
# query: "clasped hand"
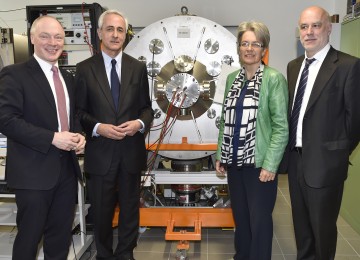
69 141
119 132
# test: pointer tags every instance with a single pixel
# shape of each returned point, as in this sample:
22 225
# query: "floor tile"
343 248
218 244
355 244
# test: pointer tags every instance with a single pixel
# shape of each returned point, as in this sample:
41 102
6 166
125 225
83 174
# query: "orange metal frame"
183 146
172 218
196 218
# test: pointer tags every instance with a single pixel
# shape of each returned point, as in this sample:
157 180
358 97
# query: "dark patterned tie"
115 83
60 98
294 119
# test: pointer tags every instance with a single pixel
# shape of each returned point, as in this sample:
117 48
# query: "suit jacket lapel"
98 69
39 77
292 79
125 77
326 71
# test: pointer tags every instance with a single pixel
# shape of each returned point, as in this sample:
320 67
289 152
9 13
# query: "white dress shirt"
46 68
313 71
108 67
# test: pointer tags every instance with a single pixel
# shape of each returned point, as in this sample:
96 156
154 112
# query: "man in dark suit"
114 107
37 115
324 130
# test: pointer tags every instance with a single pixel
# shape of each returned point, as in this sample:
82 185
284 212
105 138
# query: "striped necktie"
294 119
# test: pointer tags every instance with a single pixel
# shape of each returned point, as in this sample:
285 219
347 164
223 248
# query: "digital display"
69 33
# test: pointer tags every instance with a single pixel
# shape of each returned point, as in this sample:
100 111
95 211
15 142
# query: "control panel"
77 27
6 47
80 24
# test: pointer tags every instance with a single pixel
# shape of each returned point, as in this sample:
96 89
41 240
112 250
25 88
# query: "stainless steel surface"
182 90
21 48
156 46
227 59
184 63
184 56
211 46
153 68
186 165
142 59
205 177
213 68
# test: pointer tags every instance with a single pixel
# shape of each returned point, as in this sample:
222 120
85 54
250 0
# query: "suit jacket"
331 124
95 105
28 117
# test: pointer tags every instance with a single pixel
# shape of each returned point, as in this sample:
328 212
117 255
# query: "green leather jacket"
272 131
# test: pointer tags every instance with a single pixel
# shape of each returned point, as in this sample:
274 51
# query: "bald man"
36 115
324 130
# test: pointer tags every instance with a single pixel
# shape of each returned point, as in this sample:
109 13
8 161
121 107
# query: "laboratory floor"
217 244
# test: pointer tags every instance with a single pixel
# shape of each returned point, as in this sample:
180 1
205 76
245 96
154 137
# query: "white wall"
280 16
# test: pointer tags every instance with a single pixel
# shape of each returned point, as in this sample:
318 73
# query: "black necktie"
115 83
294 119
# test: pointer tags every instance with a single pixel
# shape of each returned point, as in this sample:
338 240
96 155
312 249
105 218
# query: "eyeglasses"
255 45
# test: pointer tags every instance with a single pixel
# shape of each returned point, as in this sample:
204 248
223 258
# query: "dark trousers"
315 212
252 203
48 214
105 191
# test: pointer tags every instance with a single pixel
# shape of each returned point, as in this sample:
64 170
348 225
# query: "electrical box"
6 47
80 25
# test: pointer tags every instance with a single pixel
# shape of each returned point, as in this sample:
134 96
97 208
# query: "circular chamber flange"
211 46
182 90
153 68
156 46
184 63
185 57
213 68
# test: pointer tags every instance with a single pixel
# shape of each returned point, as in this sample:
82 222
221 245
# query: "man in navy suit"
41 163
327 131
114 108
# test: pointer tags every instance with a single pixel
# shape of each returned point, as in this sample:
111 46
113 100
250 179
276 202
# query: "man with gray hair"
114 108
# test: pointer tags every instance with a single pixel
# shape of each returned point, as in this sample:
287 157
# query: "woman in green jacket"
252 139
